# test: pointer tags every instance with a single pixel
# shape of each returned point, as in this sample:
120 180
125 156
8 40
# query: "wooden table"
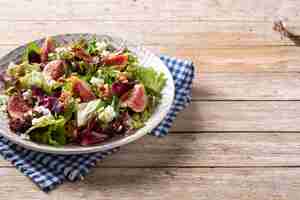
239 139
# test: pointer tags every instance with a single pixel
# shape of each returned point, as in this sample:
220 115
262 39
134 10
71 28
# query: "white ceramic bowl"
146 58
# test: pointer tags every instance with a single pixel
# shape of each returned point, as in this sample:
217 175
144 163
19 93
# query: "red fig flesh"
136 99
47 48
17 107
82 89
55 69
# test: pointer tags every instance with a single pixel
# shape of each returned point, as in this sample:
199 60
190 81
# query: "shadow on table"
295 39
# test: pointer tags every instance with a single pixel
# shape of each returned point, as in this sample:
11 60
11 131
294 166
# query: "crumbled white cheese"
86 111
3 103
35 121
38 120
11 65
105 53
42 110
95 60
107 115
3 99
51 54
3 109
27 95
50 81
96 81
101 46
61 49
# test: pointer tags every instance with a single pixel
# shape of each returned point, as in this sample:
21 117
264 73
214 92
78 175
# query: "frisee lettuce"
138 119
92 46
36 78
48 130
70 109
22 69
32 51
152 80
108 75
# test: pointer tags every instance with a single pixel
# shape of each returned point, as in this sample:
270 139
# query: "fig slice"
55 69
136 99
82 89
48 47
81 54
117 61
17 107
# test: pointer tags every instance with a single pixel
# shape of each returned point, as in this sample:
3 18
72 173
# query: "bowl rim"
67 150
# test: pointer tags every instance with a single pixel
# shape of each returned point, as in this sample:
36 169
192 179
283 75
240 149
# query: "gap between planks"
140 21
200 184
208 150
164 10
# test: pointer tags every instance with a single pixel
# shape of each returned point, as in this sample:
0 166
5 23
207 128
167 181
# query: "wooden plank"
207 150
246 86
238 59
179 10
239 116
197 34
210 149
161 183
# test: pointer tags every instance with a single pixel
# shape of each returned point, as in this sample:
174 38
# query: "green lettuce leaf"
61 55
48 130
32 50
67 86
36 78
132 59
115 104
33 79
92 46
152 80
70 109
22 69
139 119
108 75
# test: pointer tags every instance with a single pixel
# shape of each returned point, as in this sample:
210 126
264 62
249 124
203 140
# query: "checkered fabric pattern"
48 170
183 75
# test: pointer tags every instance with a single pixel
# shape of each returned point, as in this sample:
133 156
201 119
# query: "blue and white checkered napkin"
48 171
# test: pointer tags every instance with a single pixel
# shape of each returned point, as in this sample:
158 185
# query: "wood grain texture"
198 34
239 116
246 86
207 150
165 183
149 10
238 59
239 139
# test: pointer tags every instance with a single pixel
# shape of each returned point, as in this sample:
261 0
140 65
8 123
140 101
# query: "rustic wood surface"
239 139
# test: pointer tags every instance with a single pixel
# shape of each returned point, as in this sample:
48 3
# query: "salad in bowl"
82 92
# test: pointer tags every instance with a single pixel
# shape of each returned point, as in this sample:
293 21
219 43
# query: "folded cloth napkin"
49 170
